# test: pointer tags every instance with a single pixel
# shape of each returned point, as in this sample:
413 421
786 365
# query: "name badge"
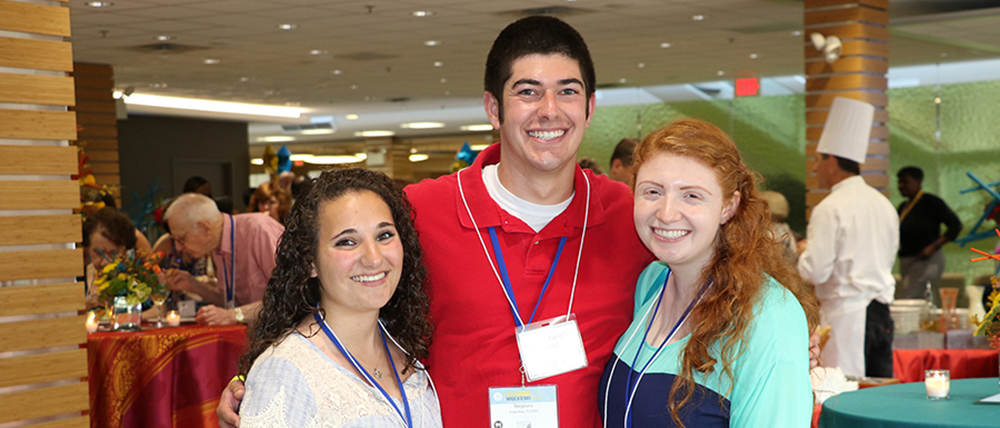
529 407
551 347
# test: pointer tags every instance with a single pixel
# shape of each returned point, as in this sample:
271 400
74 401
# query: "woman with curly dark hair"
343 320
720 334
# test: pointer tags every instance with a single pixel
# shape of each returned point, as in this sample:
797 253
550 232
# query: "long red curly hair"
745 251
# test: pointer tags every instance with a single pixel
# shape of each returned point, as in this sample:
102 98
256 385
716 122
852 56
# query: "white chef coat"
853 239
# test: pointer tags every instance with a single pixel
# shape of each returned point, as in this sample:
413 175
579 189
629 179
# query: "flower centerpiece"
125 283
990 327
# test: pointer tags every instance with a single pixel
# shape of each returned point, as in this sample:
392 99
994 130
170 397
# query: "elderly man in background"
242 248
853 236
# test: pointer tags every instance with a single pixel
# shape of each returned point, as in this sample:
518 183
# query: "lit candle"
173 319
91 323
937 383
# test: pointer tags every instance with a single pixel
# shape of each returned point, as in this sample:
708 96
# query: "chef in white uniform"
852 239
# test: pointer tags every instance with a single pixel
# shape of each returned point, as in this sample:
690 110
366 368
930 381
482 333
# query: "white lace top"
294 384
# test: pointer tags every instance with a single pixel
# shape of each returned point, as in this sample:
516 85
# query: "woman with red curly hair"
721 324
271 199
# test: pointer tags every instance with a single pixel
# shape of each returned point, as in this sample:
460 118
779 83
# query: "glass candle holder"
937 382
173 319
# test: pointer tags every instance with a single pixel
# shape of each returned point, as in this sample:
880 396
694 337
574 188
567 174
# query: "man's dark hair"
542 35
846 164
912 172
623 151
192 184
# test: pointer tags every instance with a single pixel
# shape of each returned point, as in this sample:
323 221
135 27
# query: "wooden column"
390 156
43 366
862 26
98 123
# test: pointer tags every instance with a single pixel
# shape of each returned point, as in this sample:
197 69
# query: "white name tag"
551 347
530 407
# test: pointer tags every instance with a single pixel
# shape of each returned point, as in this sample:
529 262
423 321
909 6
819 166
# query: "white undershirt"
536 216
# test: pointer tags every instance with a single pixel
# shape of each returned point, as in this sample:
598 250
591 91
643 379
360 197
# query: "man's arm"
206 287
816 263
214 315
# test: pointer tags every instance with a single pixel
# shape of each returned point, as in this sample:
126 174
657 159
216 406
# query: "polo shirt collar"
489 214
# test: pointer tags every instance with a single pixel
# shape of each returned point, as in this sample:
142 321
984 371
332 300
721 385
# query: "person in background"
107 234
920 240
198 184
591 164
271 199
242 248
621 161
852 239
778 207
141 242
346 314
720 329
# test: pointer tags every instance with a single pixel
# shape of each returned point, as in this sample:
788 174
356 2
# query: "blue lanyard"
230 275
629 388
509 290
408 419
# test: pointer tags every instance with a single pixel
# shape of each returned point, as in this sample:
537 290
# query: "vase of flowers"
125 283
990 327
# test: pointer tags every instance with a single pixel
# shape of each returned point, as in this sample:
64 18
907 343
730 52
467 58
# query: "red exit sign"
747 87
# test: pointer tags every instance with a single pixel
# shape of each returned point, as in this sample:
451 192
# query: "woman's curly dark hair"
292 294
111 223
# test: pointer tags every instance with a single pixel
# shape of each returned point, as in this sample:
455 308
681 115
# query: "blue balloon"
284 159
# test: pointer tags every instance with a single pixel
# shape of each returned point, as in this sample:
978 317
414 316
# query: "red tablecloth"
908 365
169 377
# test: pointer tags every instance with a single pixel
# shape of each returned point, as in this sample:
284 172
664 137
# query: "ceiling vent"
561 11
165 48
308 126
366 56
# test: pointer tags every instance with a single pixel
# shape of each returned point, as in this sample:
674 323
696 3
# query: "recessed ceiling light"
422 13
317 52
352 117
446 93
164 38
275 139
211 61
431 43
288 26
374 133
438 63
336 72
422 125
796 33
354 87
720 73
246 79
444 80
753 56
257 161
99 4
664 45
642 65
158 85
318 131
622 80
477 128
698 18
418 157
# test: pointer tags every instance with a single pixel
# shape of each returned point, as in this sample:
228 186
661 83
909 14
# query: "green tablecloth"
906 405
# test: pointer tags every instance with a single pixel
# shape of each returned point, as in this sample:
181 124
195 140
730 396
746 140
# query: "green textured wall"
770 132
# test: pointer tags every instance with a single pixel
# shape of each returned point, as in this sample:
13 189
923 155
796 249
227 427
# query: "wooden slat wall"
95 113
862 26
41 321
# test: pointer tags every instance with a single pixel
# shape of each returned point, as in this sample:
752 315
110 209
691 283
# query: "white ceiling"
387 74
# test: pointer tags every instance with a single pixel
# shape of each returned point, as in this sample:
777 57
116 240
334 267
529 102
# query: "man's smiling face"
546 111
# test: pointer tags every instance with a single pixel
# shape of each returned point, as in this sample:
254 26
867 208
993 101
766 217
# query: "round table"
906 405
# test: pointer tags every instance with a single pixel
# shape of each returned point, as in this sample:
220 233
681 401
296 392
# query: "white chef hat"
848 129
